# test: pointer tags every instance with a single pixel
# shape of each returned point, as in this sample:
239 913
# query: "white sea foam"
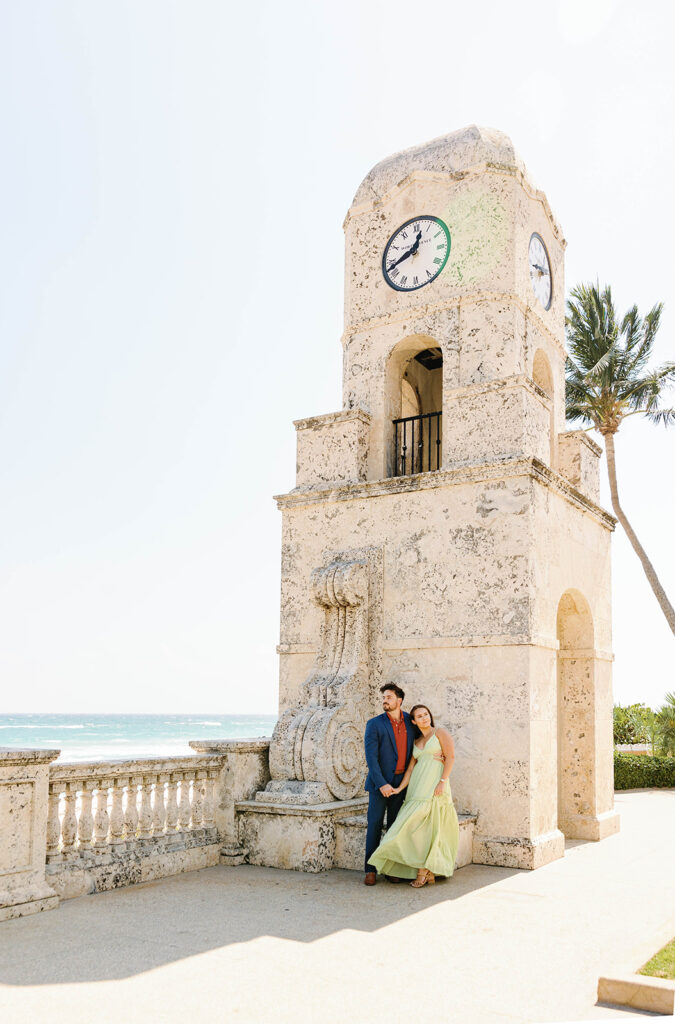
40 726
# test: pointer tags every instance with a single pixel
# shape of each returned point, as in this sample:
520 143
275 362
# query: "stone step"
350 841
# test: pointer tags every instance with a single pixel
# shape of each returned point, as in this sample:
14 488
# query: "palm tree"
608 381
665 725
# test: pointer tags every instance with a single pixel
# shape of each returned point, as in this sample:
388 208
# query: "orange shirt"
401 737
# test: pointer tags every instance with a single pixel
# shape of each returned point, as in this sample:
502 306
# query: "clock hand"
542 270
411 252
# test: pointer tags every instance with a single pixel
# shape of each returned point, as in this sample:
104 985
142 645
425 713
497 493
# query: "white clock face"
416 253
540 271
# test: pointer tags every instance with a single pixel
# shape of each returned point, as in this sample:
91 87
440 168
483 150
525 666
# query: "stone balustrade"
96 806
114 823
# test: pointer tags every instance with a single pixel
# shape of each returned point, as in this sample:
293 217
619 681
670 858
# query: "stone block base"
32 906
597 827
302 838
90 871
232 856
350 842
654 994
516 852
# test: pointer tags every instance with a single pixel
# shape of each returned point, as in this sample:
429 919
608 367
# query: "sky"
173 185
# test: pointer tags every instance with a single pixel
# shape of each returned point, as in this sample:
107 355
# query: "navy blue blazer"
381 752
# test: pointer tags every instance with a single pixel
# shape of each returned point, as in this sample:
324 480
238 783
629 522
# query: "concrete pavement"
250 944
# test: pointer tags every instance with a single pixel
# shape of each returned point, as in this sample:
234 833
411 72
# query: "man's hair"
394 689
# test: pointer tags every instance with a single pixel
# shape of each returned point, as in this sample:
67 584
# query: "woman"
423 841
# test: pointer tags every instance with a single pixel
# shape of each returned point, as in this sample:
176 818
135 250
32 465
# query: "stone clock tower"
444 532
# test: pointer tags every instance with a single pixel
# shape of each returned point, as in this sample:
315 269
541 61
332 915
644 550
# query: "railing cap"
231 746
12 755
76 771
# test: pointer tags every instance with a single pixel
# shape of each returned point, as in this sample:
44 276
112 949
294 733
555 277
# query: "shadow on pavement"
125 932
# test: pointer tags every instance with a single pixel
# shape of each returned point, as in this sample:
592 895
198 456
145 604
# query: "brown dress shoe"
370 879
393 879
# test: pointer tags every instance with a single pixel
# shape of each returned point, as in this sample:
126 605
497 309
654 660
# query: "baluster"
209 806
131 812
438 441
117 813
158 811
145 814
412 447
404 449
184 809
69 822
101 818
198 799
172 804
429 443
85 821
53 822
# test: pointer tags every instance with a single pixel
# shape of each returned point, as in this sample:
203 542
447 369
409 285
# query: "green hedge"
640 771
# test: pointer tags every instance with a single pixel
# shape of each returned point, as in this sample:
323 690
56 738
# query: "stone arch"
414 388
577 782
541 372
542 375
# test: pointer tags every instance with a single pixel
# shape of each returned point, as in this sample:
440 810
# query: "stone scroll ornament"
316 754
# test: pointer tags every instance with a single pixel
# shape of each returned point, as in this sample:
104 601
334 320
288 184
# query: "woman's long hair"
417 732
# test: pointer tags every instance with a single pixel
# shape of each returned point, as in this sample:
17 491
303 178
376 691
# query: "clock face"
540 271
416 253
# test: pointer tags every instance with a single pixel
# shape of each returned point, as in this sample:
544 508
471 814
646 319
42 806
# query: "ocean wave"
45 725
206 723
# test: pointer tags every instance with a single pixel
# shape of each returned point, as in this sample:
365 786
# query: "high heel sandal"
424 877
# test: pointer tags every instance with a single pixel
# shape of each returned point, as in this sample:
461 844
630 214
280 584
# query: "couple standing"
407 751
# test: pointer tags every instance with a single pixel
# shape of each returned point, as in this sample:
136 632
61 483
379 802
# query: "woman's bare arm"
448 748
406 778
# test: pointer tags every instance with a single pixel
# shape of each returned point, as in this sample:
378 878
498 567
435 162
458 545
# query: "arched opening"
543 378
577 783
414 405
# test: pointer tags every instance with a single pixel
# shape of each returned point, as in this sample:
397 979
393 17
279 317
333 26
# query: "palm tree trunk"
666 606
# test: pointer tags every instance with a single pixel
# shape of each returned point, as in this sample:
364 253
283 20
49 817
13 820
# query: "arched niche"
542 375
577 783
541 372
413 405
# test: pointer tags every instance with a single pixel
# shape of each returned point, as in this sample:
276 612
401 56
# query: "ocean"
117 737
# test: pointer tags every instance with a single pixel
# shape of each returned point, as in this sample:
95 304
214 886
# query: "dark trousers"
378 807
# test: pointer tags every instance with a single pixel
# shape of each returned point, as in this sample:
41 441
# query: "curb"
638 991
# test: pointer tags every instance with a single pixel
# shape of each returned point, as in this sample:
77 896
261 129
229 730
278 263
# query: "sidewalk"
255 944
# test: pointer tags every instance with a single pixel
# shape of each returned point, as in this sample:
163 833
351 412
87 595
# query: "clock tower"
444 532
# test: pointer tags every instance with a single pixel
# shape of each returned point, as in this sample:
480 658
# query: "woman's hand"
394 792
440 788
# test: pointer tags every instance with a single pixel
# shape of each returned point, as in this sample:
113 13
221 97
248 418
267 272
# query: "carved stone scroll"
316 754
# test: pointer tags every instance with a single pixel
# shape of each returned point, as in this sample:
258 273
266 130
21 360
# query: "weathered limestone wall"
489 346
24 786
579 459
467 556
332 448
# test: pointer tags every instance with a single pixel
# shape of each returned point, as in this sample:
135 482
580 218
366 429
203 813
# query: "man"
389 742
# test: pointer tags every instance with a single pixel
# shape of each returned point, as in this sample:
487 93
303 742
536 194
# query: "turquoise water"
114 737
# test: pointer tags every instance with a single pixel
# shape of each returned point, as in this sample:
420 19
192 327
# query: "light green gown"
426 831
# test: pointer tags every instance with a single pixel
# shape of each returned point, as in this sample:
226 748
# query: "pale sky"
173 184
